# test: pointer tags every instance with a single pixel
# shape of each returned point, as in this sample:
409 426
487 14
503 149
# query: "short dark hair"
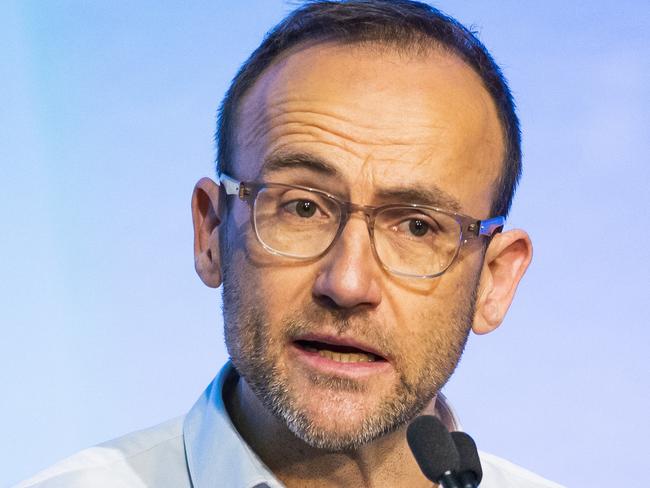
400 23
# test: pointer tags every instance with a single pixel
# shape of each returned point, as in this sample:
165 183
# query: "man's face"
337 347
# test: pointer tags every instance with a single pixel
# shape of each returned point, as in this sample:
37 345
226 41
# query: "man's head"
395 112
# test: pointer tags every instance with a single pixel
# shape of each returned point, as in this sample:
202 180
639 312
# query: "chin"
337 421
336 436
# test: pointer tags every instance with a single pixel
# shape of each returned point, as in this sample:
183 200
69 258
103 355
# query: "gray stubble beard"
249 344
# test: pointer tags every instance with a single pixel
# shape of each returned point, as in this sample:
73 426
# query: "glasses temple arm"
489 227
231 185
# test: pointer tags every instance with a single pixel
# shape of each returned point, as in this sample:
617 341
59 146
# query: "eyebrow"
430 195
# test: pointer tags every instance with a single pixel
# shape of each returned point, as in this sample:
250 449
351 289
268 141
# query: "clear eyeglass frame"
469 228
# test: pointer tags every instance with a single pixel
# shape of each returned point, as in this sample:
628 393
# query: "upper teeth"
343 357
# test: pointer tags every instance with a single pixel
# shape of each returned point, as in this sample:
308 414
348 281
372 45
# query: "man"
368 152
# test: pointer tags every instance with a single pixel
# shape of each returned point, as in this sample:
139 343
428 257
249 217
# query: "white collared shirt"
204 450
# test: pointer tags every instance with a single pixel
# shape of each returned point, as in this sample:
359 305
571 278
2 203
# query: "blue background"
107 111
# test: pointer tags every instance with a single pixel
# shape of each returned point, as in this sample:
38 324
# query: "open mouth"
338 353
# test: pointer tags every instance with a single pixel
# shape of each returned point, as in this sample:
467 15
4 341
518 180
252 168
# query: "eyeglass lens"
302 224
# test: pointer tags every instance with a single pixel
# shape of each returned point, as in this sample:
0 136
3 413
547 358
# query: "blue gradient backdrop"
107 111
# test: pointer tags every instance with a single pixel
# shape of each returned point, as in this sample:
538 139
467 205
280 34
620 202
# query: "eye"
414 226
418 227
302 208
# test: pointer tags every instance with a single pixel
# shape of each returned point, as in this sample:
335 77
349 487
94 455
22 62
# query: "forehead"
378 116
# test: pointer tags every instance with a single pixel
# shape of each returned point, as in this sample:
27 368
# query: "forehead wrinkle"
291 104
298 145
294 136
302 134
250 126
257 120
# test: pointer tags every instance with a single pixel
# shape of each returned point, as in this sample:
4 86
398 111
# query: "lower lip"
327 365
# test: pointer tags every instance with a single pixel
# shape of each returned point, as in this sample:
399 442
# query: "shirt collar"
218 456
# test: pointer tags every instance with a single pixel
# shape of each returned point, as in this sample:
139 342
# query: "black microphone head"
469 460
432 447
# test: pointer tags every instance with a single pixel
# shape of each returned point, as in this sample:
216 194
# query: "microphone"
434 450
470 472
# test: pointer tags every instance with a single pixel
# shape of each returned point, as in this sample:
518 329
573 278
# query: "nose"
350 275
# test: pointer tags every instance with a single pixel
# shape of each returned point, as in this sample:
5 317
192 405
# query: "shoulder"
500 473
150 457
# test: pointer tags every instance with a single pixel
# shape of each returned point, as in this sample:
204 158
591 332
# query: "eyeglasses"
411 240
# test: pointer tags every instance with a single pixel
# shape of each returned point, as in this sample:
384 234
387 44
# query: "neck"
386 461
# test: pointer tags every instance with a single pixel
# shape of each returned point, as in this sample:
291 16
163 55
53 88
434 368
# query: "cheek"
421 333
431 352
433 329
271 285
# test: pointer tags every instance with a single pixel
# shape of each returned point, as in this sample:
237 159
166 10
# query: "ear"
206 218
506 260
